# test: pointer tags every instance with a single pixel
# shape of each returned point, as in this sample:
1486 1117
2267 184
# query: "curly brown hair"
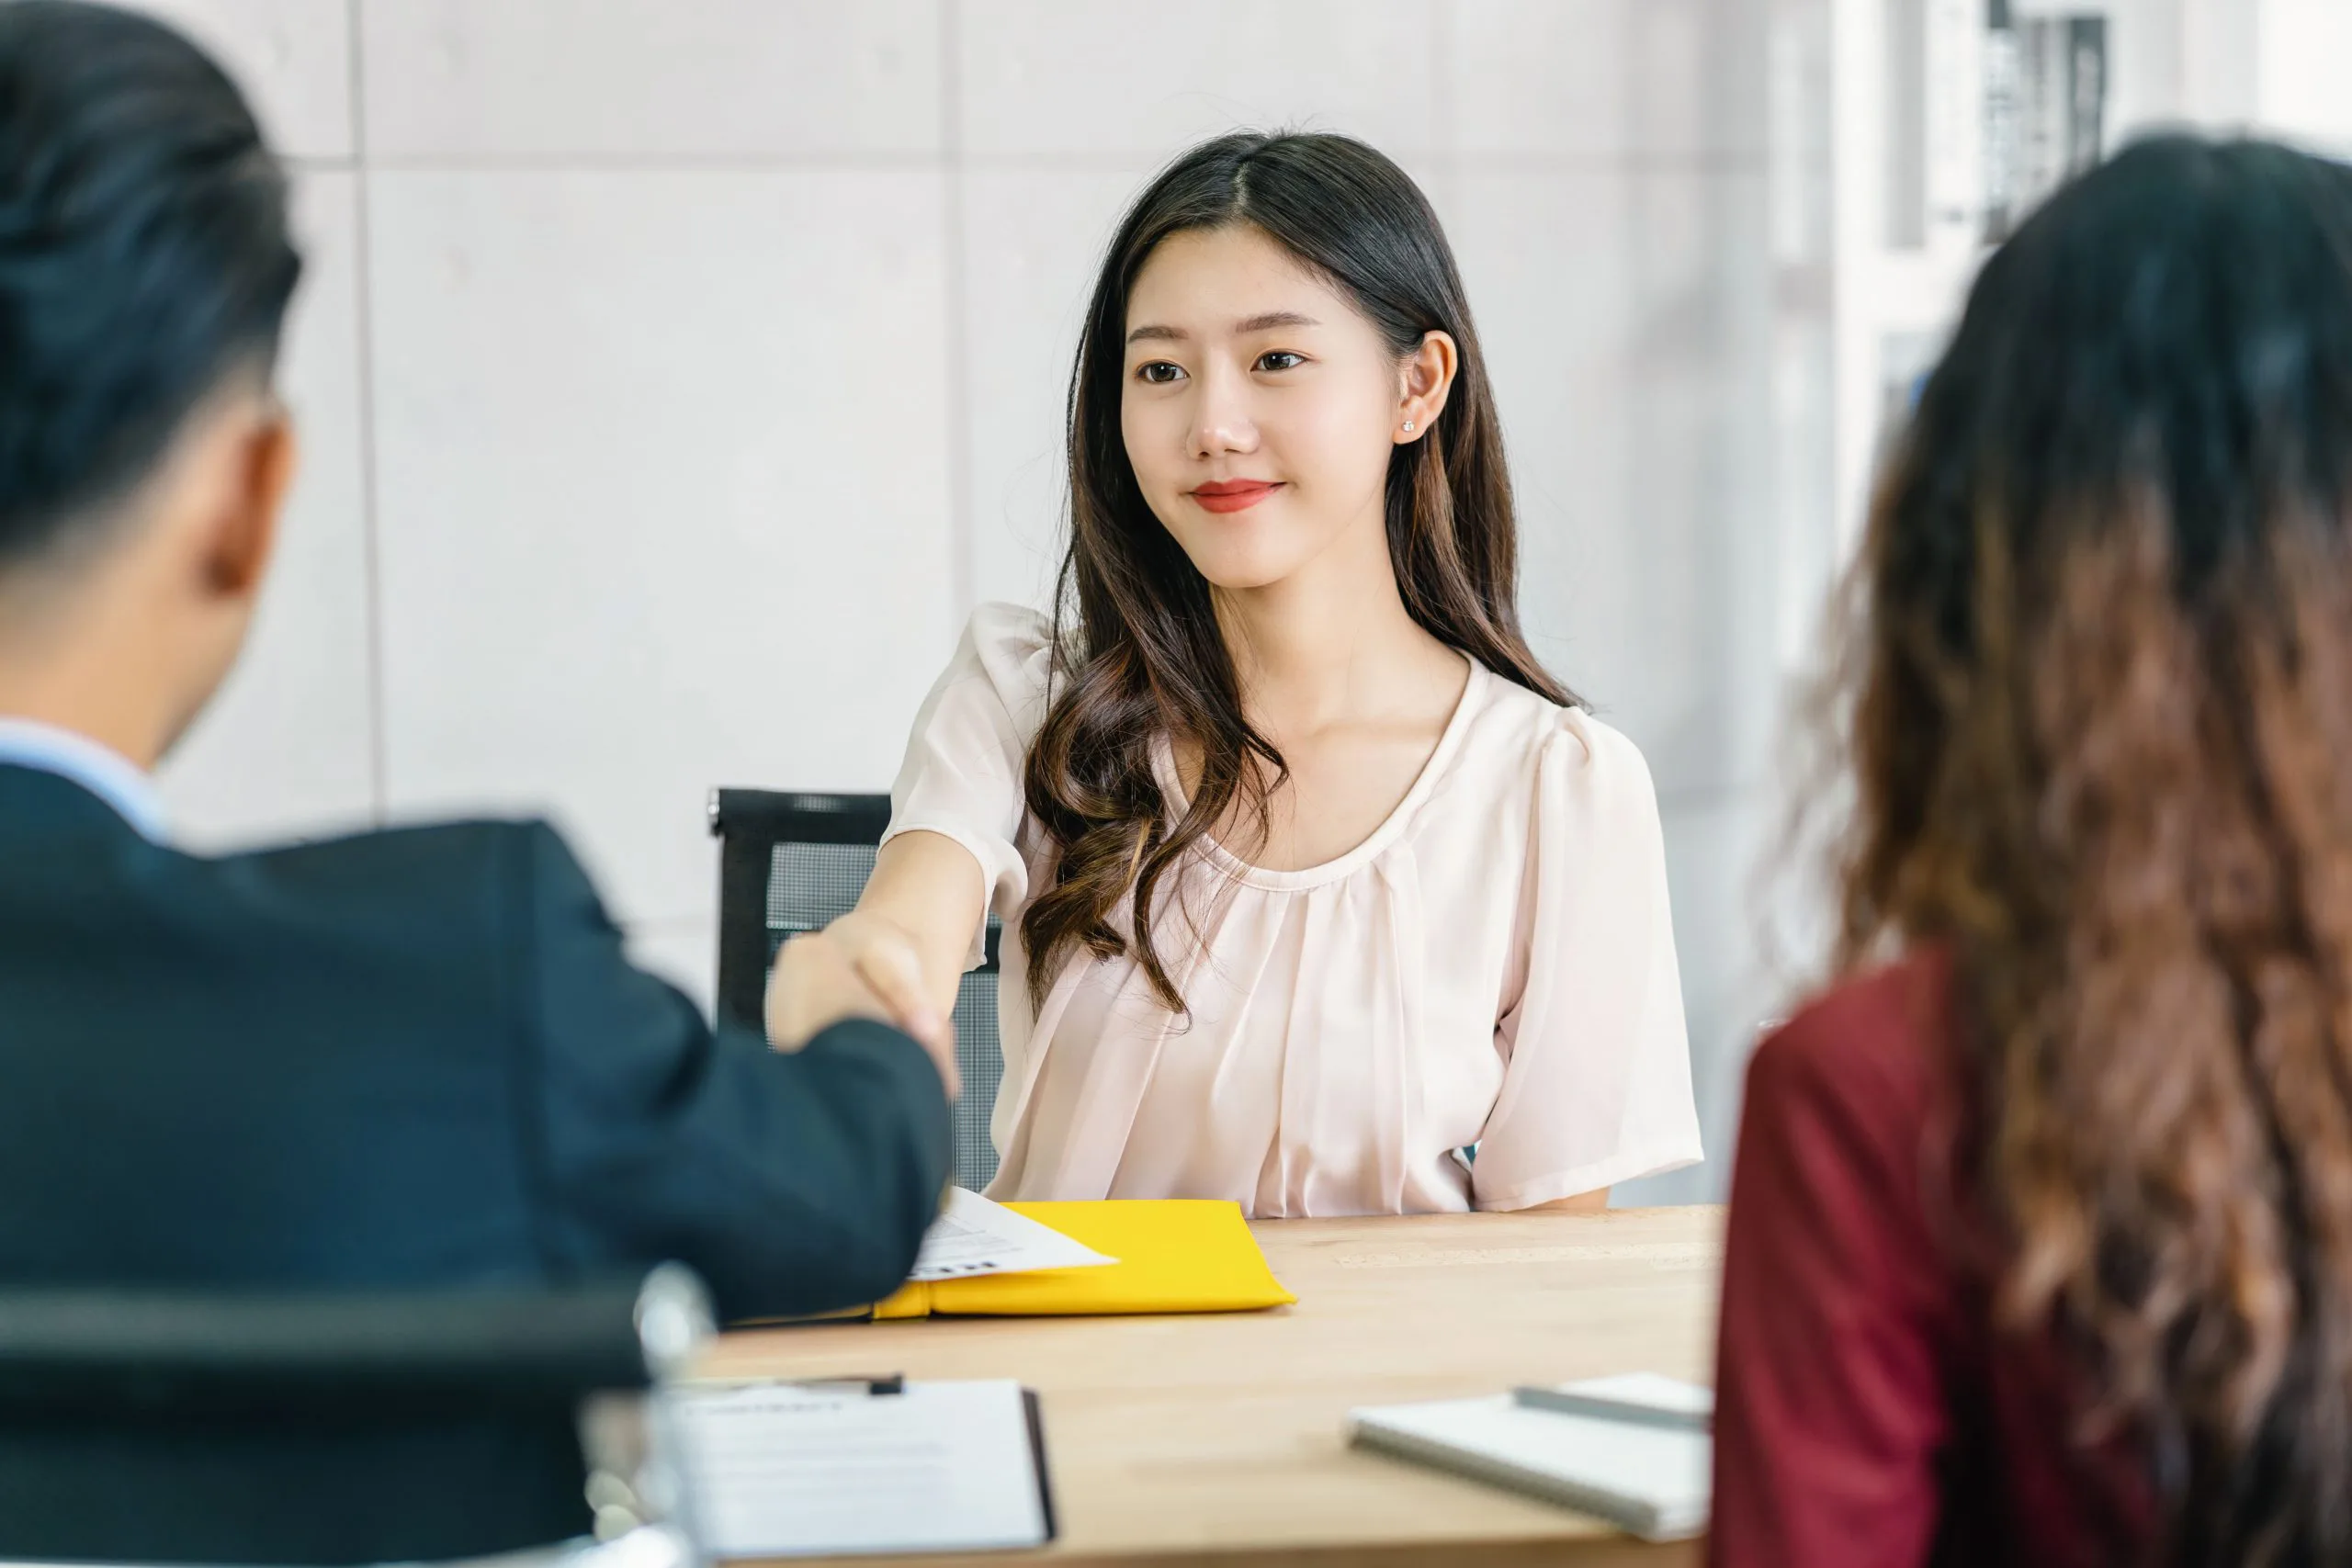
1139 658
2097 697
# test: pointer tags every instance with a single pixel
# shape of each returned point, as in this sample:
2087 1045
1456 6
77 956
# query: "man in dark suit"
405 1058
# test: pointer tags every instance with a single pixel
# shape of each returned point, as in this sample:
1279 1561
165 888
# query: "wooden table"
1219 1439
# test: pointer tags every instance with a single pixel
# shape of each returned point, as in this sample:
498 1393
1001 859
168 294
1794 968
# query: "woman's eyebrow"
1154 333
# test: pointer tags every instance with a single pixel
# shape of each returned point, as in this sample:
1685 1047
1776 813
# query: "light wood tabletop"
1220 1439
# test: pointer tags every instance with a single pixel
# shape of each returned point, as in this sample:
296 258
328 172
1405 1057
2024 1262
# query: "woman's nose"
1222 422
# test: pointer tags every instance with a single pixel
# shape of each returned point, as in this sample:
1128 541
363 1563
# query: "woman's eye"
1159 373
1281 360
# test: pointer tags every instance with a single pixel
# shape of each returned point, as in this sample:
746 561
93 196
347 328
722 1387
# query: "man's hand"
859 966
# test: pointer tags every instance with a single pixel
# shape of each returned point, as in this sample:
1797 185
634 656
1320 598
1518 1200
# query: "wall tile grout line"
963 546
370 511
1630 160
682 161
1446 154
957 161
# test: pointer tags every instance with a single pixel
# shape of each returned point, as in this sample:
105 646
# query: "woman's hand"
863 965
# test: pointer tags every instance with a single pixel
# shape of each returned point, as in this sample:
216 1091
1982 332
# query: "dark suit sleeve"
792 1184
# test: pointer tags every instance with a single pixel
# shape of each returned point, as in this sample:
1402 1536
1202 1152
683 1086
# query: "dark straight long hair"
1138 654
2097 704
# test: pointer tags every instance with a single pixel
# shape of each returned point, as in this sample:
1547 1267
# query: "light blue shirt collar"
77 758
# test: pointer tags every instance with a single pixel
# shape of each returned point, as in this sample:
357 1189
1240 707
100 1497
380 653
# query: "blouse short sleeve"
1596 1075
961 778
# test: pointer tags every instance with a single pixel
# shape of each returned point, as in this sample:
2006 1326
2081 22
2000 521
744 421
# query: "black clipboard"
1036 1413
882 1391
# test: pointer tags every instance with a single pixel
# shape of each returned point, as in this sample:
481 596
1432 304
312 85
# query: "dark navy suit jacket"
404 1059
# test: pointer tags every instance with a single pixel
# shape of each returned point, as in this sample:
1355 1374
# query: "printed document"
972 1236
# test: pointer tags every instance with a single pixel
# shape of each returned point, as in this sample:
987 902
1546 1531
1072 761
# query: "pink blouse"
1494 967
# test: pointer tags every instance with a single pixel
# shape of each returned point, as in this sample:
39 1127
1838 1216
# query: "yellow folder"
1175 1255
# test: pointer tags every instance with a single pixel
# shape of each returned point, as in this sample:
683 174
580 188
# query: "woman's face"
1259 407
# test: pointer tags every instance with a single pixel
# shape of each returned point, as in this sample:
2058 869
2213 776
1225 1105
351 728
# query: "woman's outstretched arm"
905 943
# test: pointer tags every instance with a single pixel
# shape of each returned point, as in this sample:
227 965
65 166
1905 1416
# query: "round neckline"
1391 827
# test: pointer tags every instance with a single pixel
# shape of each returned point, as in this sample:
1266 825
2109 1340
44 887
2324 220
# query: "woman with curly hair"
2040 1243
1310 875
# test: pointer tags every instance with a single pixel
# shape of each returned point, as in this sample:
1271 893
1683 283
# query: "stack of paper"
973 1237
785 1471
1645 1466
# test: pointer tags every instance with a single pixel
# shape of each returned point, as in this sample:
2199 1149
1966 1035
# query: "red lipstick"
1232 495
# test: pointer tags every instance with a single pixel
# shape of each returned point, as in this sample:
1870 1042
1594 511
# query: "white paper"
778 1470
972 1236
1652 1480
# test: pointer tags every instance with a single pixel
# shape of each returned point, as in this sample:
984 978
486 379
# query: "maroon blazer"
1866 1413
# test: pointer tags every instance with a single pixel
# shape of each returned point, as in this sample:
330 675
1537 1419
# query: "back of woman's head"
2101 699
1141 658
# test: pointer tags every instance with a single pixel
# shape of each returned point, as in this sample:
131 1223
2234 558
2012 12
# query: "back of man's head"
145 270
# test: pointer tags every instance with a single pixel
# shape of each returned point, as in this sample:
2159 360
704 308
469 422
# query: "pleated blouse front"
1493 967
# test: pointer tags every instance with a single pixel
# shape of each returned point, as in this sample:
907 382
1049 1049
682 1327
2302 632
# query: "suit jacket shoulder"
412 1056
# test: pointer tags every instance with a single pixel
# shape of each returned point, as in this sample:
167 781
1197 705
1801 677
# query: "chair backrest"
174 1426
789 864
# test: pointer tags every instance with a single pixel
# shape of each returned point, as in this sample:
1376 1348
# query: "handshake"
863 965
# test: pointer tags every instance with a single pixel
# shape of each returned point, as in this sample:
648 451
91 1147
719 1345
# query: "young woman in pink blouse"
1402 895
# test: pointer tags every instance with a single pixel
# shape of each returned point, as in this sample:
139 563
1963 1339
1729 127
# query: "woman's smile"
1232 495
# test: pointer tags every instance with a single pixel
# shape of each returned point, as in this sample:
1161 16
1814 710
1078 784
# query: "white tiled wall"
1031 239
1642 80
662 495
1628 374
293 58
1083 79
677 373
2302 47
566 81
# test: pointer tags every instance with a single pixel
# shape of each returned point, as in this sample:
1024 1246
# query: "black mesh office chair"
178 1428
789 864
